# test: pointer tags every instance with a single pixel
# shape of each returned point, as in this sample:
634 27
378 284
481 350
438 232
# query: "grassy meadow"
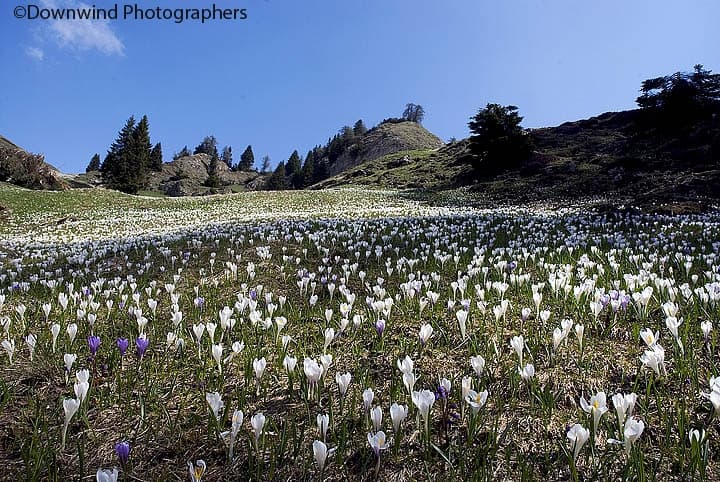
354 335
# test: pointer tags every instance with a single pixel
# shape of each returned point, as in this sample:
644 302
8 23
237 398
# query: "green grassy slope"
613 154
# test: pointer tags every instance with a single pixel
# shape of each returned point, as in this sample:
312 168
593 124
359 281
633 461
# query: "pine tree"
128 160
213 180
293 171
116 148
116 166
208 146
184 152
265 164
308 170
359 128
156 159
320 170
140 155
227 157
681 98
498 141
94 164
348 135
277 182
246 159
320 164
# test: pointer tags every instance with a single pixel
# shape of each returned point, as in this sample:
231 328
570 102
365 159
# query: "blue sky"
294 72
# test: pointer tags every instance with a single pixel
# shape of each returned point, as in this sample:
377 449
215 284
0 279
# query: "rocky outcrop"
17 166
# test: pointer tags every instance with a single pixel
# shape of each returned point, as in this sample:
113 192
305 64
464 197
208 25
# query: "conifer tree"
308 170
498 141
265 164
140 155
94 164
359 128
227 156
117 164
184 152
277 182
246 159
156 160
208 146
128 160
213 180
293 171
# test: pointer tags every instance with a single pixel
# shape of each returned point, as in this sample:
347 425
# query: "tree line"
298 173
131 157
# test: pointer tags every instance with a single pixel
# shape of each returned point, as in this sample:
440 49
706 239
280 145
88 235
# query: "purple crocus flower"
122 449
199 302
253 294
94 344
141 344
122 344
512 265
441 393
380 327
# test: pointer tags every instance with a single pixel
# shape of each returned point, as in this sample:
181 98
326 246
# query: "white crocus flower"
426 332
70 406
597 407
517 343
397 415
406 365
577 435
258 424
476 400
624 405
106 475
655 359
343 381
323 422
477 363
215 402
376 416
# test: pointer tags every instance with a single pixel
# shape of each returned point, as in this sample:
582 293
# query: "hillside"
383 140
17 166
186 177
618 153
